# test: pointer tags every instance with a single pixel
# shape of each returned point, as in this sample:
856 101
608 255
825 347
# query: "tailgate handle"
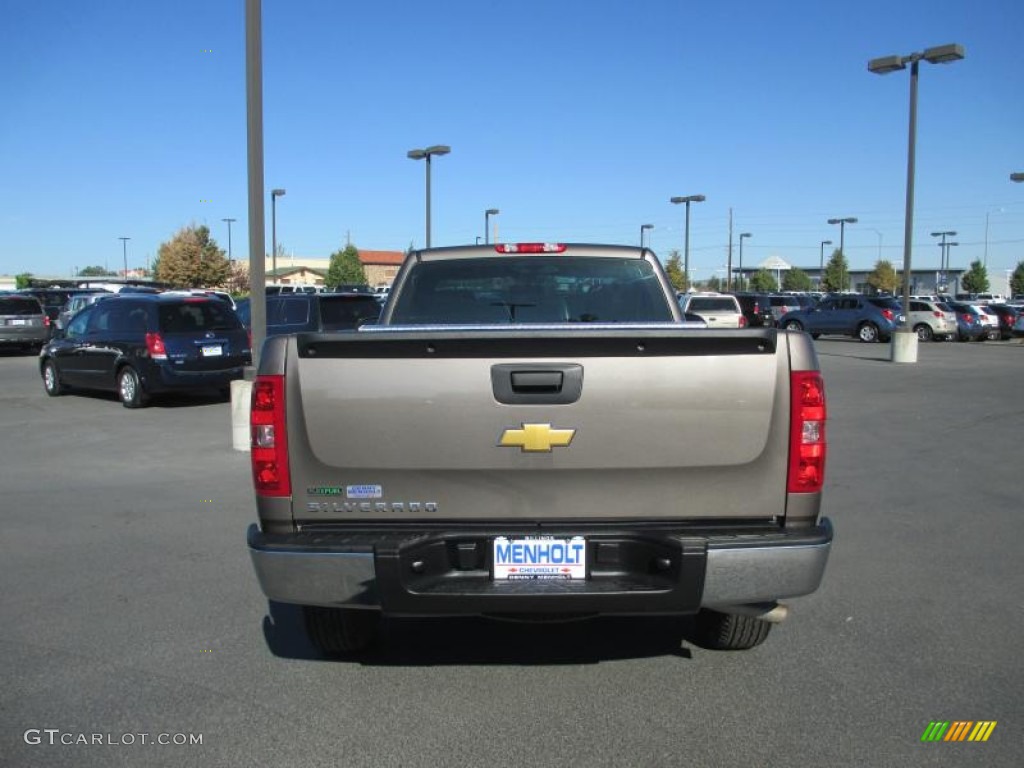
537 383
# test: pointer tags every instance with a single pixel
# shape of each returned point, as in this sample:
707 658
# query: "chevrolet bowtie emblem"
536 438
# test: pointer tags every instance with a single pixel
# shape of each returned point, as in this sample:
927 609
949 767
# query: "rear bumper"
165 378
448 573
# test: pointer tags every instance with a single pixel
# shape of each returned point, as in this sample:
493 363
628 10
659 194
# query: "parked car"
869 318
139 345
76 302
718 310
756 307
989 319
930 322
782 304
1006 315
53 300
23 322
969 325
318 312
1018 325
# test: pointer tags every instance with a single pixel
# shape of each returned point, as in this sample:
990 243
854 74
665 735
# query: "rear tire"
867 333
129 388
924 332
730 631
793 325
51 380
341 630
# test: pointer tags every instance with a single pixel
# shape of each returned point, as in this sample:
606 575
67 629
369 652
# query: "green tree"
345 268
192 259
764 281
24 280
94 271
1017 280
714 283
796 280
837 272
674 271
883 277
975 280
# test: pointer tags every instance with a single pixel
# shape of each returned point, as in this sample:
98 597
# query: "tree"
837 272
192 259
1017 280
94 271
714 283
24 280
883 277
796 280
764 281
238 282
345 268
674 271
975 280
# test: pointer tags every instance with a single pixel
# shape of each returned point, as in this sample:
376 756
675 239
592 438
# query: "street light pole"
686 248
842 241
230 260
487 223
904 348
426 154
944 260
643 228
743 235
821 262
274 194
124 249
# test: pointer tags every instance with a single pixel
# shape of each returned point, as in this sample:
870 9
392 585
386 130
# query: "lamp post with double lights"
821 262
274 194
944 258
124 249
644 228
686 247
742 236
231 261
487 223
842 241
904 348
426 154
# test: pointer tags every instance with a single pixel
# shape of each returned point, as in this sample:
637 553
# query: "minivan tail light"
807 446
269 437
155 346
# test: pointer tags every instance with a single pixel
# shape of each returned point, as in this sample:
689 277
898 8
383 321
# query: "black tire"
868 333
341 630
129 388
51 380
793 325
815 335
924 332
730 631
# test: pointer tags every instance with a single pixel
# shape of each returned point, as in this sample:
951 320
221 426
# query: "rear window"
346 312
702 304
288 310
19 306
197 315
532 289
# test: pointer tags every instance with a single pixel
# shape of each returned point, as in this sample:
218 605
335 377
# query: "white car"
989 320
718 310
931 320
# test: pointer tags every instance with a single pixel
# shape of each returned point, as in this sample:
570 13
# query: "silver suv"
932 320
718 310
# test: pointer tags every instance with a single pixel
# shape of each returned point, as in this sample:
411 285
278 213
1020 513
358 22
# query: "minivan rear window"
197 315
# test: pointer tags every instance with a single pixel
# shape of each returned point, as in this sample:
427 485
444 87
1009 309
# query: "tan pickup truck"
535 430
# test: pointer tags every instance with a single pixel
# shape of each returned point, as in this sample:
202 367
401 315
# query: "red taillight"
530 248
269 438
155 346
888 314
806 432
46 320
936 313
743 321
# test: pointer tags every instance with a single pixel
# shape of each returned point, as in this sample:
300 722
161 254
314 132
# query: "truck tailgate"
667 424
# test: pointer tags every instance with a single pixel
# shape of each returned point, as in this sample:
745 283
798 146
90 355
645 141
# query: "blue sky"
578 119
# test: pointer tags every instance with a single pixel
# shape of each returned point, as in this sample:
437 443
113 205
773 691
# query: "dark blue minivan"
139 345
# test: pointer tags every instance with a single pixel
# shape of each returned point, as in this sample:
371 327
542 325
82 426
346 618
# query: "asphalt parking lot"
129 607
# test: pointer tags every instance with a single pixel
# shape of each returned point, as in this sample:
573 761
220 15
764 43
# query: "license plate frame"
538 558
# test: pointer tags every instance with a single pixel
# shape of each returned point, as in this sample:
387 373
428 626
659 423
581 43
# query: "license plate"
212 350
540 558
17 322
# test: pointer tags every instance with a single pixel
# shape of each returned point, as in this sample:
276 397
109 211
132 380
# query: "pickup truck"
551 439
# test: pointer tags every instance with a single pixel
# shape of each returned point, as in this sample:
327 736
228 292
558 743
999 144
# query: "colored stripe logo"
958 730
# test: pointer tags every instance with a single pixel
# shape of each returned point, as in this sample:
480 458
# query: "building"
380 268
